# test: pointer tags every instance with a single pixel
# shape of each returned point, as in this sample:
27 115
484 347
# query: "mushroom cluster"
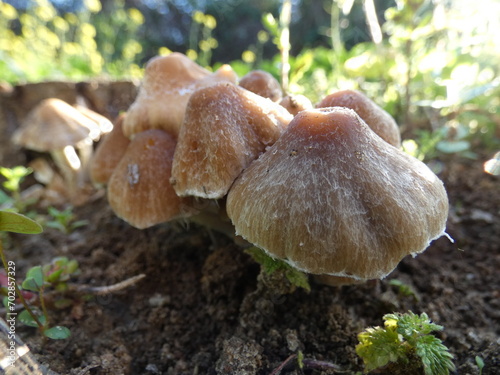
325 189
67 133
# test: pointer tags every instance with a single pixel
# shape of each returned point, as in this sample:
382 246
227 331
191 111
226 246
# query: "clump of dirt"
205 308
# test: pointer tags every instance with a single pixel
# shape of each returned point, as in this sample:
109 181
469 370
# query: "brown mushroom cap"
331 197
108 153
294 103
52 125
262 83
168 83
225 128
380 121
139 191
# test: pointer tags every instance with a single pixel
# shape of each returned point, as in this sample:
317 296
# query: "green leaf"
298 278
63 303
17 223
25 318
54 276
268 264
79 223
4 197
410 325
34 279
57 333
300 359
72 267
479 363
436 358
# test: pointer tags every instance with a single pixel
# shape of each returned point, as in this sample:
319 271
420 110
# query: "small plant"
271 265
405 342
403 289
14 176
37 278
480 364
64 220
40 279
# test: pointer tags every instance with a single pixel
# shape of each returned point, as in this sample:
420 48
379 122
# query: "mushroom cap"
108 153
379 120
294 103
331 197
262 83
225 128
139 191
52 125
168 83
101 124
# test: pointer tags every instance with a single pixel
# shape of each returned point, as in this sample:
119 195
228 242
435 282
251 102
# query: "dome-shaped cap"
225 129
52 125
262 83
379 120
168 83
331 197
139 190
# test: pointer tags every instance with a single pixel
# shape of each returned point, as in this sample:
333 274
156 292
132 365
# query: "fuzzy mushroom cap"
168 83
380 121
331 197
262 83
294 103
139 191
108 153
226 127
52 125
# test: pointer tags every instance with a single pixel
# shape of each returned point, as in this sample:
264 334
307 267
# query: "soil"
205 308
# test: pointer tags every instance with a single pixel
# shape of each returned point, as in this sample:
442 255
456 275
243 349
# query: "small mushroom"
294 103
380 121
332 198
108 153
262 83
56 127
139 190
225 128
168 83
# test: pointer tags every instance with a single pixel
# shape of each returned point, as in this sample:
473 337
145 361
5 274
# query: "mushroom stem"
67 168
214 217
85 151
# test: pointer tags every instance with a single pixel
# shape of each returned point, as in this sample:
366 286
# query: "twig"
278 369
103 290
310 363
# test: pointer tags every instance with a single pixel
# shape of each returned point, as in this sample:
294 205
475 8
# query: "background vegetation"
432 64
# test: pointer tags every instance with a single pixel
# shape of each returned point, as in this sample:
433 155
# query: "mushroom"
56 127
225 128
332 198
380 121
108 153
139 191
294 103
168 83
262 83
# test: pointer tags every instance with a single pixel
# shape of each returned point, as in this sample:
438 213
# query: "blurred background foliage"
433 64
